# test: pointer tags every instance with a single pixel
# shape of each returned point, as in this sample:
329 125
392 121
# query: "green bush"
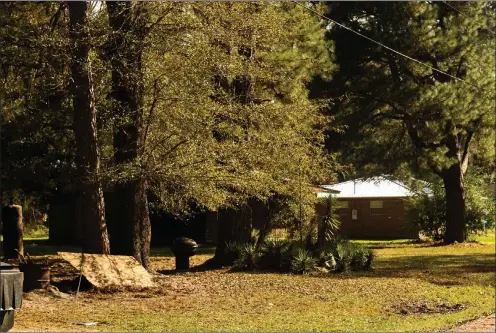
274 254
429 212
247 257
351 256
303 262
232 252
370 259
291 256
342 256
35 231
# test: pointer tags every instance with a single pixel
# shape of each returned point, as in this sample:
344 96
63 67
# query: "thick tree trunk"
126 49
12 230
91 202
234 226
456 229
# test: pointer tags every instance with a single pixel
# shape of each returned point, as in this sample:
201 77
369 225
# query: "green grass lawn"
405 275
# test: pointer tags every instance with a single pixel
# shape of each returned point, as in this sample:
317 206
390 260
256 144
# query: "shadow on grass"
43 247
446 270
167 252
40 247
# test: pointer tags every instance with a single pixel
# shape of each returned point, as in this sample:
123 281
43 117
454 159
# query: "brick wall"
387 222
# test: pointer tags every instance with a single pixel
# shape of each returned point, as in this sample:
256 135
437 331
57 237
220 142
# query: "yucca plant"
358 257
273 253
247 257
303 262
343 255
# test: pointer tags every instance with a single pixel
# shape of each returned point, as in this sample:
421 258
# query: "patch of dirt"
421 307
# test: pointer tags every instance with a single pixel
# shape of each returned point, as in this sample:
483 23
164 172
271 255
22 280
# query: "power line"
385 46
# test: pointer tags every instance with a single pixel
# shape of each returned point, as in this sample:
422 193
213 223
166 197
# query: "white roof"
373 187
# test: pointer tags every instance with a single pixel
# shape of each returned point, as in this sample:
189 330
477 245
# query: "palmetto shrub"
247 257
275 255
303 262
353 256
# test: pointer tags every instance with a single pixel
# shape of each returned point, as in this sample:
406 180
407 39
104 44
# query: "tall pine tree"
398 110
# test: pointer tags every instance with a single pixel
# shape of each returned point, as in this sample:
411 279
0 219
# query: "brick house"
373 208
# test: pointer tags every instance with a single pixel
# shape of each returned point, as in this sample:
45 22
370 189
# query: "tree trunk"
12 230
324 211
234 226
91 202
126 49
265 224
456 229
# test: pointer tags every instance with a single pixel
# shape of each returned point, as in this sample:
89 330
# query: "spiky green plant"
303 262
247 257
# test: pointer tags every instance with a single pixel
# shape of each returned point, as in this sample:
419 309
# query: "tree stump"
12 230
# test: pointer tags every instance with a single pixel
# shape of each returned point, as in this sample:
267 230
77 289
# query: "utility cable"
384 46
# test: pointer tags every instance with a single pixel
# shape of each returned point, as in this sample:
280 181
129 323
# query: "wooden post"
12 231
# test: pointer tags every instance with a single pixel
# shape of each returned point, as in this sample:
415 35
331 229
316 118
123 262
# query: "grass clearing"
461 276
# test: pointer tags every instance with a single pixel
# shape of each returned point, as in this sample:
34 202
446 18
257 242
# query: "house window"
342 207
376 207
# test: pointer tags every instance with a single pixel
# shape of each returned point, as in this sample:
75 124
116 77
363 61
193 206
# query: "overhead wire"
384 46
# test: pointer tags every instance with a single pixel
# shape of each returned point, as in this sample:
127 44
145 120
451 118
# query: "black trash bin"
10 294
183 248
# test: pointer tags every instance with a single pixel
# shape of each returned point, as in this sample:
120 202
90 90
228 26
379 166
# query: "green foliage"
429 212
36 136
230 118
232 252
247 257
397 112
224 106
290 256
370 256
35 231
352 256
303 262
276 255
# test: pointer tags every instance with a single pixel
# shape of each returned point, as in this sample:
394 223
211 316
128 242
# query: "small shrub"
303 262
429 212
247 257
255 233
370 259
353 256
274 253
358 257
342 257
288 255
232 253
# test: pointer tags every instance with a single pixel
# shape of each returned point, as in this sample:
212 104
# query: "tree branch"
152 109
